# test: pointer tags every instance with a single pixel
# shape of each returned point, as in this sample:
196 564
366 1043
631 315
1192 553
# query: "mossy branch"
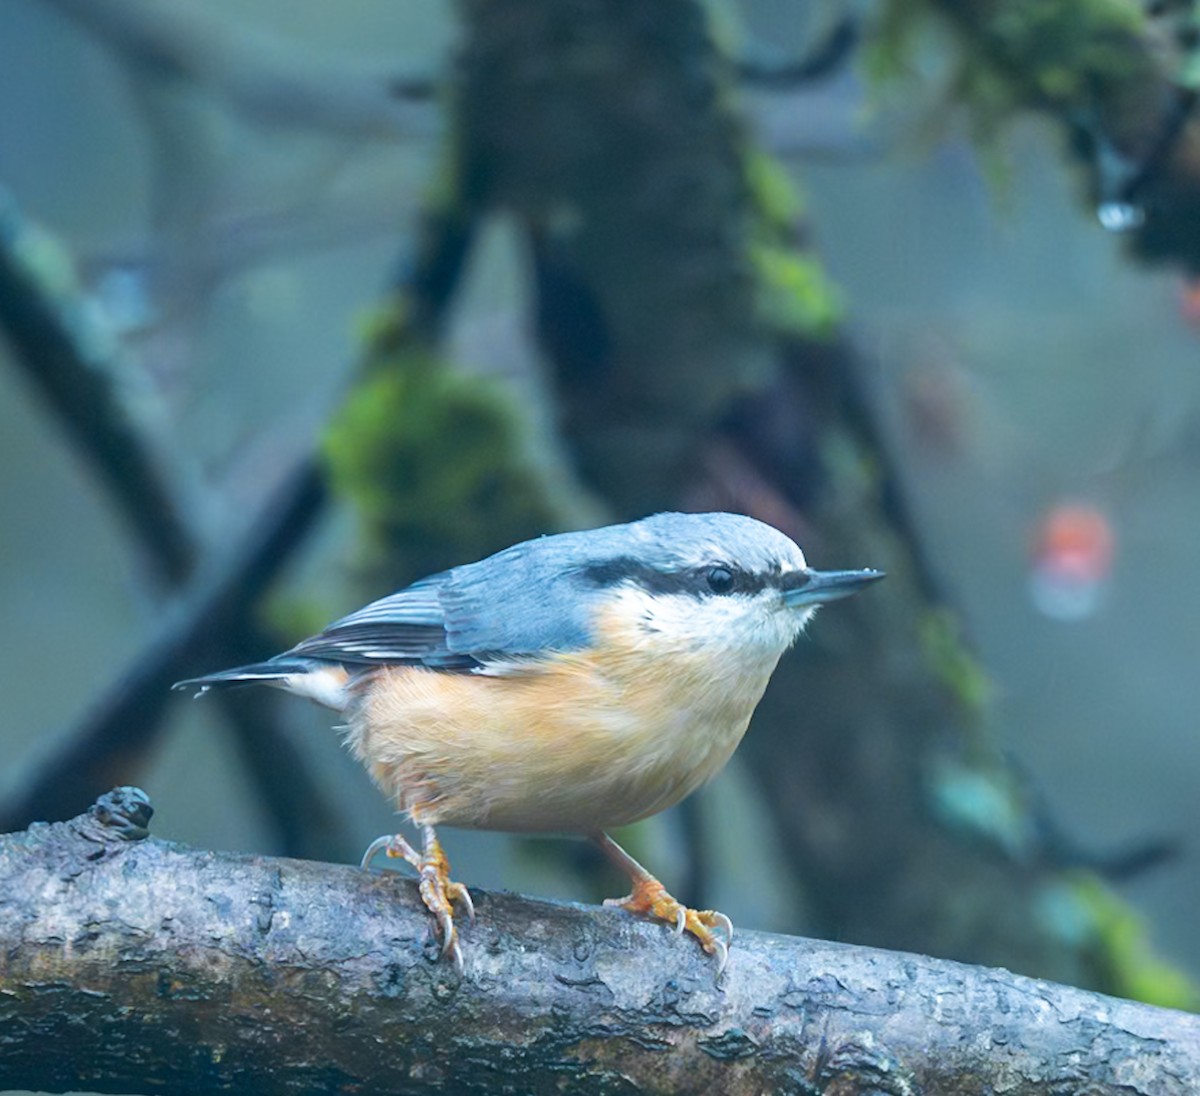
1119 77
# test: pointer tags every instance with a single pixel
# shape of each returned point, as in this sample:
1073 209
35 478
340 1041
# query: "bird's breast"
572 742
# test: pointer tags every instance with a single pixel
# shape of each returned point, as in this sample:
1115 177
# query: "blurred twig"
1117 78
258 145
262 76
73 365
126 720
217 624
830 55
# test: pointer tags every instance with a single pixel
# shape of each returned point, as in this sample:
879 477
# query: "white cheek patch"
757 623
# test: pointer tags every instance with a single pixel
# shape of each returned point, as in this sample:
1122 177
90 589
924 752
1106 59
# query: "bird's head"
710 581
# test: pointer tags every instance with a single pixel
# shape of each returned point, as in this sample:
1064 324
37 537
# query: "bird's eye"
720 580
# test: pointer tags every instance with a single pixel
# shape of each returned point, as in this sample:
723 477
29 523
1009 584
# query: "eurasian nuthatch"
569 684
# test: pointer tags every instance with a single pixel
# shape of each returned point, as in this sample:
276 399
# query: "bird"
570 684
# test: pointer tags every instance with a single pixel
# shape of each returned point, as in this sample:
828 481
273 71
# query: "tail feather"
257 673
320 681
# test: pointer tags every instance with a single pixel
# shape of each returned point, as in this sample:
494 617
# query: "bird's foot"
438 891
649 898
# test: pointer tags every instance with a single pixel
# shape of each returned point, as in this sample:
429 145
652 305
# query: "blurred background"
299 304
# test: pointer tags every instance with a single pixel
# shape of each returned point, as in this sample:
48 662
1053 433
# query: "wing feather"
518 605
405 627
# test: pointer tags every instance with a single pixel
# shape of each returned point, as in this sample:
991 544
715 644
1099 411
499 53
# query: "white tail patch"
325 686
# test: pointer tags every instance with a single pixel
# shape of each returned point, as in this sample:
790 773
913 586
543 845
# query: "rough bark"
133 964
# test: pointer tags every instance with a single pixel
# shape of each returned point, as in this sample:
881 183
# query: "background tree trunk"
693 376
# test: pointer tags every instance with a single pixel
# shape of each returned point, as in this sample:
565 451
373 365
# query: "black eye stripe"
698 581
795 580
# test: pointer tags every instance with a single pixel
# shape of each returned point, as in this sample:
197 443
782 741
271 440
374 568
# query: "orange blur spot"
1076 539
1073 554
1189 301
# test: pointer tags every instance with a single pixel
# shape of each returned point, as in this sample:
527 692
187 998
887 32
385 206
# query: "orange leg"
438 891
650 898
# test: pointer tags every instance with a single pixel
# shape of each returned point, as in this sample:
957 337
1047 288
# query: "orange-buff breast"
561 746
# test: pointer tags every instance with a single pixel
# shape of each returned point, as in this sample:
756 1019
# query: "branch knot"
120 815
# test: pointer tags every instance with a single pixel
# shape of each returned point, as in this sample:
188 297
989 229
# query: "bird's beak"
817 587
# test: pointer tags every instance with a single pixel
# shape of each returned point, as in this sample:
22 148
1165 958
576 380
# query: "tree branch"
127 717
831 54
73 367
129 963
1118 78
268 79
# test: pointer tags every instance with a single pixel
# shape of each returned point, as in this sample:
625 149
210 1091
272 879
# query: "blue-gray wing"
518 604
406 627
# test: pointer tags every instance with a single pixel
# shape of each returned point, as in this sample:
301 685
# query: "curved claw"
448 933
440 893
649 898
456 955
711 928
457 892
721 949
395 846
720 921
373 850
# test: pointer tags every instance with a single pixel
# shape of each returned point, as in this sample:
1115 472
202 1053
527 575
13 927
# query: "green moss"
383 329
774 195
951 661
435 463
795 295
1059 48
1087 916
888 55
1063 55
